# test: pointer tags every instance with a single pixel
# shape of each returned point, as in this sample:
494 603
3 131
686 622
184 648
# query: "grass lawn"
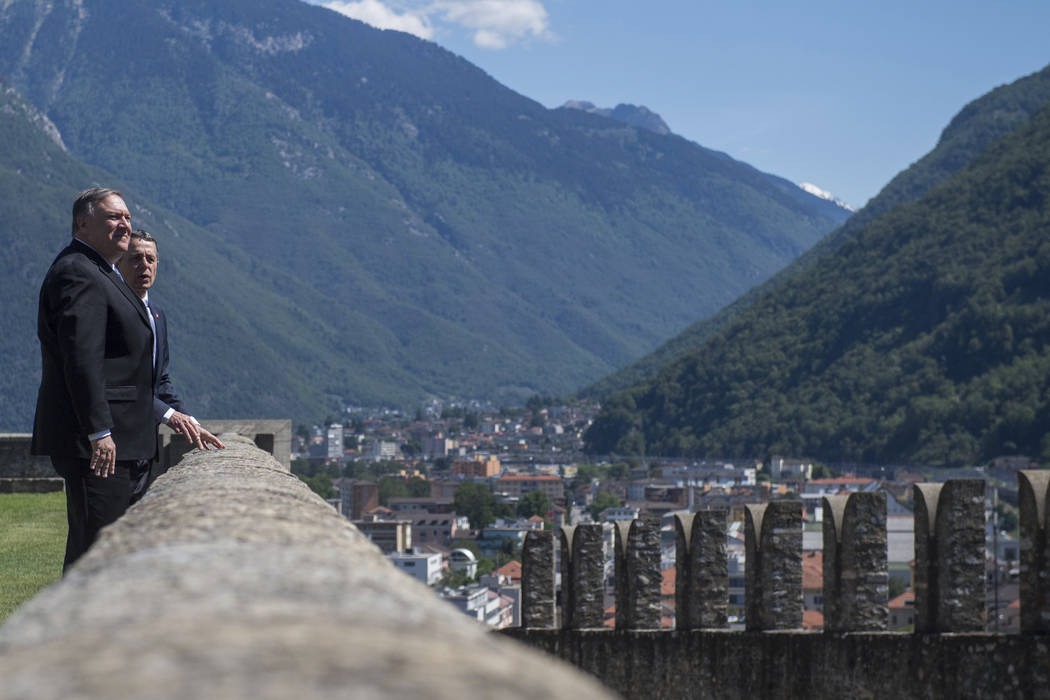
32 544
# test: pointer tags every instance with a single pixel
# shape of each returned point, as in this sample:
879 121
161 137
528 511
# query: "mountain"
451 237
970 132
642 117
922 338
213 300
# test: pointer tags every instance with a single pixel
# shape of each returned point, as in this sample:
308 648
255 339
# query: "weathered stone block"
949 556
773 579
702 570
16 462
31 485
856 574
1035 573
582 576
638 575
537 580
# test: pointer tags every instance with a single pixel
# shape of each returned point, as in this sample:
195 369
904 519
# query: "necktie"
153 327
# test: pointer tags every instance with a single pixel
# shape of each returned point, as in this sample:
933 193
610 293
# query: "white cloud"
382 16
495 24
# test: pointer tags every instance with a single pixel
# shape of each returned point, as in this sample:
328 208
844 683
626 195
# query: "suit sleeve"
79 312
165 396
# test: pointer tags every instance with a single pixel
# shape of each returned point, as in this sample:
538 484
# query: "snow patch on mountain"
824 194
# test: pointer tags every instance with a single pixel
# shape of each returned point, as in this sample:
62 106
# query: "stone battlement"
231 579
948 656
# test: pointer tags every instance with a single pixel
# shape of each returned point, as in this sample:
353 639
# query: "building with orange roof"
512 570
813 583
902 611
479 467
812 620
667 583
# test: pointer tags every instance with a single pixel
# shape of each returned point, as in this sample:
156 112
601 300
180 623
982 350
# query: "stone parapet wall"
724 665
272 436
16 462
231 579
947 657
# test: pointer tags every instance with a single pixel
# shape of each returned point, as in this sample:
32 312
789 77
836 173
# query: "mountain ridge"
978 124
461 239
923 338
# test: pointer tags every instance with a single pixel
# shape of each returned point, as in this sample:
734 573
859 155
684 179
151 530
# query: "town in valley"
450 492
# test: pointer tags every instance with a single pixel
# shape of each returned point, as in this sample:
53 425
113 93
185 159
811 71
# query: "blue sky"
840 94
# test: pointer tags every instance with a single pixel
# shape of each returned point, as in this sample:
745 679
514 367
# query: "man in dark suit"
94 414
139 269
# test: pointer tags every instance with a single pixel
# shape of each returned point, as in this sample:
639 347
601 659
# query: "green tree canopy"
477 502
534 503
320 484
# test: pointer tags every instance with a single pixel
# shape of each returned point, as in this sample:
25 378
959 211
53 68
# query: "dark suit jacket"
96 349
164 396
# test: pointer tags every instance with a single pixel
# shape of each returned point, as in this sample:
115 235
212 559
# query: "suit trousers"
92 502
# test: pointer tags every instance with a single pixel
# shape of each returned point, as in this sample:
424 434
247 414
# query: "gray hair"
84 204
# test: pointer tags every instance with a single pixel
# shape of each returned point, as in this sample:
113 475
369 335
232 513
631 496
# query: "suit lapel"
107 270
126 291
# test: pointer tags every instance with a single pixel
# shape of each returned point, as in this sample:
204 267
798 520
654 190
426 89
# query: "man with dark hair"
94 414
139 269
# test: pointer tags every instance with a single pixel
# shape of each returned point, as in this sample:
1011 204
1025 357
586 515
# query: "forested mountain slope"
229 327
924 337
973 129
458 239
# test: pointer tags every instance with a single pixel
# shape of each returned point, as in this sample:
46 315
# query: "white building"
781 469
383 450
618 514
424 566
335 441
483 604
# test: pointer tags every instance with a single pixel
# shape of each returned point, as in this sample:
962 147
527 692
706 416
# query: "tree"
823 471
477 502
319 484
1007 518
418 488
534 503
453 579
603 500
392 487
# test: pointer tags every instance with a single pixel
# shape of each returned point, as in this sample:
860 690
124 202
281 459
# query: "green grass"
32 544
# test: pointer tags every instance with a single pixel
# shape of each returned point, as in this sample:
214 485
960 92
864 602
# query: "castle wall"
231 579
947 657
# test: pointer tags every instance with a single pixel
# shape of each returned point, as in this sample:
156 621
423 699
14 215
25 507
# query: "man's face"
139 265
108 229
